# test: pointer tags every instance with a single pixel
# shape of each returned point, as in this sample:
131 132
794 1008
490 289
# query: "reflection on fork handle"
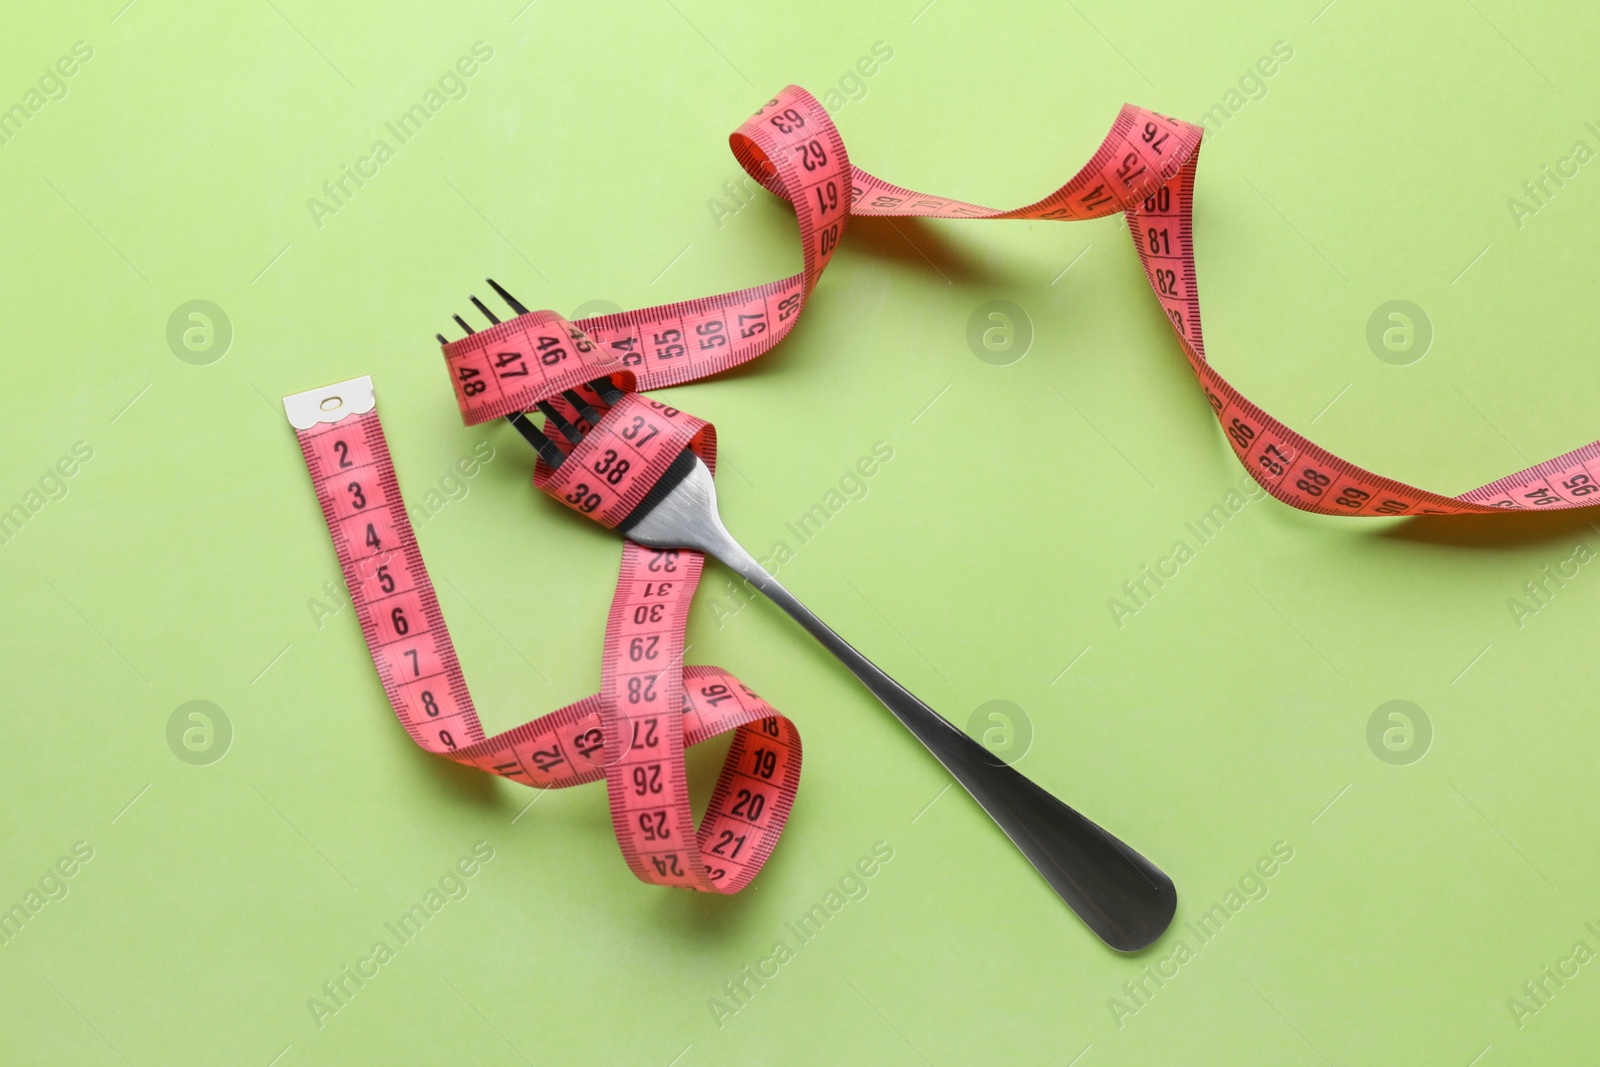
1124 898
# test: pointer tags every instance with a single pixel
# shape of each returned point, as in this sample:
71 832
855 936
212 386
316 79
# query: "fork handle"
1120 895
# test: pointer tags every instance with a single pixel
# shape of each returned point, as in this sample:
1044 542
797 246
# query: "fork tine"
606 391
588 413
569 431
486 312
461 322
512 302
542 444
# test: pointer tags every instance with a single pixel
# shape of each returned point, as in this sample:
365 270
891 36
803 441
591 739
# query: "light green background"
1229 714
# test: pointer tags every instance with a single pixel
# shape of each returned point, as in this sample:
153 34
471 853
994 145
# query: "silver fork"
1124 898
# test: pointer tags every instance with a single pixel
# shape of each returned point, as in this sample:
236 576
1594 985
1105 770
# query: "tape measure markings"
651 706
649 709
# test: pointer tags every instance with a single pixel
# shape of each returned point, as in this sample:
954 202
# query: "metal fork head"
571 430
680 511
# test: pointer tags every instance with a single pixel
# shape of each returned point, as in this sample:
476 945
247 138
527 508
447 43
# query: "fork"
1125 899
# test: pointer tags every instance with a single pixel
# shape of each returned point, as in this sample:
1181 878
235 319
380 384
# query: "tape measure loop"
608 474
514 364
651 707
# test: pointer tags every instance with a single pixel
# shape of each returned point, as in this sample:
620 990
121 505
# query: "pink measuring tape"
651 707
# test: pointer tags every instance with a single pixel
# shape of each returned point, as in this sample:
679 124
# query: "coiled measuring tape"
650 707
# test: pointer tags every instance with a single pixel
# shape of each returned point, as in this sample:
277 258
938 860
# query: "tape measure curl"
634 731
1145 167
650 708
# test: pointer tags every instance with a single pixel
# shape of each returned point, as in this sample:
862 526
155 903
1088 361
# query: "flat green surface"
186 559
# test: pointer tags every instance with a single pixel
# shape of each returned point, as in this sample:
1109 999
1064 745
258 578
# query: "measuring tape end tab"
330 403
